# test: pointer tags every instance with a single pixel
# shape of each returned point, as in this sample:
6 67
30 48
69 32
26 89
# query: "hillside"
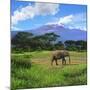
64 33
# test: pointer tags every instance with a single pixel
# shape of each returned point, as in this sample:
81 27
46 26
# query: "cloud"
79 21
15 28
30 11
66 19
62 20
46 8
73 21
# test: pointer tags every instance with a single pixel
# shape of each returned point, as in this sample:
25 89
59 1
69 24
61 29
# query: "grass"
22 61
42 74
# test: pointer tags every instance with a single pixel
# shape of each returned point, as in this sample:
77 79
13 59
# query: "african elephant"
60 54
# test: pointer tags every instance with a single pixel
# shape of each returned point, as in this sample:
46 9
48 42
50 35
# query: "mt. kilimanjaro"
64 33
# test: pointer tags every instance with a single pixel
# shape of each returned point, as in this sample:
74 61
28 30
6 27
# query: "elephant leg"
63 60
56 61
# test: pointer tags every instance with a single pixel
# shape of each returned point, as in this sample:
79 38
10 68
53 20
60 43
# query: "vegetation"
31 61
76 45
42 74
25 41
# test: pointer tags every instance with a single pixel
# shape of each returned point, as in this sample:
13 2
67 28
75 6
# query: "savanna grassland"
33 70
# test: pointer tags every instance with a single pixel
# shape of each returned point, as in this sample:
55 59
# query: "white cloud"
79 21
63 20
74 21
46 8
29 11
15 28
66 19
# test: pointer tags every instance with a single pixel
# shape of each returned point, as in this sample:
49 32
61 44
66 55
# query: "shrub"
22 61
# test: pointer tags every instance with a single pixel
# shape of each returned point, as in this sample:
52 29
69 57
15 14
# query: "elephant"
60 54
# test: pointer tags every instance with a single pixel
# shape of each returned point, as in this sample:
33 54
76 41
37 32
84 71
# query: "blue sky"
31 15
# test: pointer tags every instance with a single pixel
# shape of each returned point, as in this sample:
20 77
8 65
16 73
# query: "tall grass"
22 61
25 74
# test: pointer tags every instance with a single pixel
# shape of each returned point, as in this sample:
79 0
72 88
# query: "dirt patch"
48 62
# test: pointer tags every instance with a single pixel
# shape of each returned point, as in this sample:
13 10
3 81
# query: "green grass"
42 74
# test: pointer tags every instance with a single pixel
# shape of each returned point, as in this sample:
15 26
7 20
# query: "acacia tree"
21 40
75 45
81 45
70 45
25 40
59 45
45 41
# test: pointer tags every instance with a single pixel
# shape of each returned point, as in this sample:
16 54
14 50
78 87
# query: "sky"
31 15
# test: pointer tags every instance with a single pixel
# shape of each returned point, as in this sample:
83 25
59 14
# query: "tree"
27 41
49 40
81 45
59 45
45 41
21 40
70 45
76 45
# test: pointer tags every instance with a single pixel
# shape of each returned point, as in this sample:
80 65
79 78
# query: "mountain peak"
64 33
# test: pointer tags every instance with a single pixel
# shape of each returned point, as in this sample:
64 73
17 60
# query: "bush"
22 61
71 48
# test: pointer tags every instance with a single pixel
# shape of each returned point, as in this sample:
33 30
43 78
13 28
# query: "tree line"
24 41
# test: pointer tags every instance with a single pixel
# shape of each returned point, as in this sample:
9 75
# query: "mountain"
64 33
